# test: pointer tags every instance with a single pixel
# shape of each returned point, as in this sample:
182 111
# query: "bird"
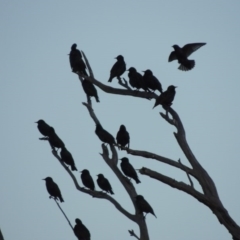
151 81
123 137
54 139
182 54
104 184
43 127
76 62
118 68
143 205
87 179
136 79
128 169
80 230
90 89
53 189
67 158
166 97
103 135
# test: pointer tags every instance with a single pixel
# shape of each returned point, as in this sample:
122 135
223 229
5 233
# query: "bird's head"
48 179
124 159
122 128
74 46
132 69
175 46
139 197
85 171
171 88
119 57
40 121
148 72
78 221
100 175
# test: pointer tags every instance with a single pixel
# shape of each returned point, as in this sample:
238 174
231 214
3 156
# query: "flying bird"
53 189
151 81
67 158
43 127
90 89
128 169
80 230
87 179
143 205
54 139
103 135
76 62
182 54
118 68
166 98
104 184
123 137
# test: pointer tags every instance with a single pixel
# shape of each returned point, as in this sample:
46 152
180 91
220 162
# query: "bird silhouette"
90 89
103 135
67 158
80 230
87 179
182 54
136 79
43 127
151 81
53 189
123 137
54 139
118 68
104 184
128 169
143 205
166 98
76 62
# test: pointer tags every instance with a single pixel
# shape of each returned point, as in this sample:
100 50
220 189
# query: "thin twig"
88 65
189 178
132 233
64 214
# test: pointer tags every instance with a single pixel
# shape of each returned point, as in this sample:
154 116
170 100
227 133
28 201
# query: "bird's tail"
110 79
61 199
187 65
111 191
137 181
97 99
74 168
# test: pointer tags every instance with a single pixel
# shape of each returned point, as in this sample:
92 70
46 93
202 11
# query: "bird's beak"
44 179
36 122
175 86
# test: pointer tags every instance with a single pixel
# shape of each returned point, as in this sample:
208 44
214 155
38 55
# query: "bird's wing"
172 56
188 49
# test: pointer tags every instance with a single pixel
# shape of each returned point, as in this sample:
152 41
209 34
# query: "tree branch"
132 233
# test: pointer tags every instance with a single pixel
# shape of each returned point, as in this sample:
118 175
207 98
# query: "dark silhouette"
67 158
54 139
136 79
87 179
104 184
118 68
103 135
90 89
182 54
76 62
81 232
53 189
166 98
123 137
143 205
43 127
151 81
128 169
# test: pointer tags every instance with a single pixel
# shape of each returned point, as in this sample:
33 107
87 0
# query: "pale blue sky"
37 83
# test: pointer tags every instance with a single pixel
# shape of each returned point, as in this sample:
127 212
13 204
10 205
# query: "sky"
37 83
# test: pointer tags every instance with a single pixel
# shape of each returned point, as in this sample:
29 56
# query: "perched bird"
67 158
151 81
81 232
104 184
87 179
143 205
118 68
123 137
103 135
54 139
53 189
43 127
166 97
76 62
128 169
182 54
90 89
136 79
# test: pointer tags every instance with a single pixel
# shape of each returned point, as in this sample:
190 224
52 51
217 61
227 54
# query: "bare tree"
208 196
